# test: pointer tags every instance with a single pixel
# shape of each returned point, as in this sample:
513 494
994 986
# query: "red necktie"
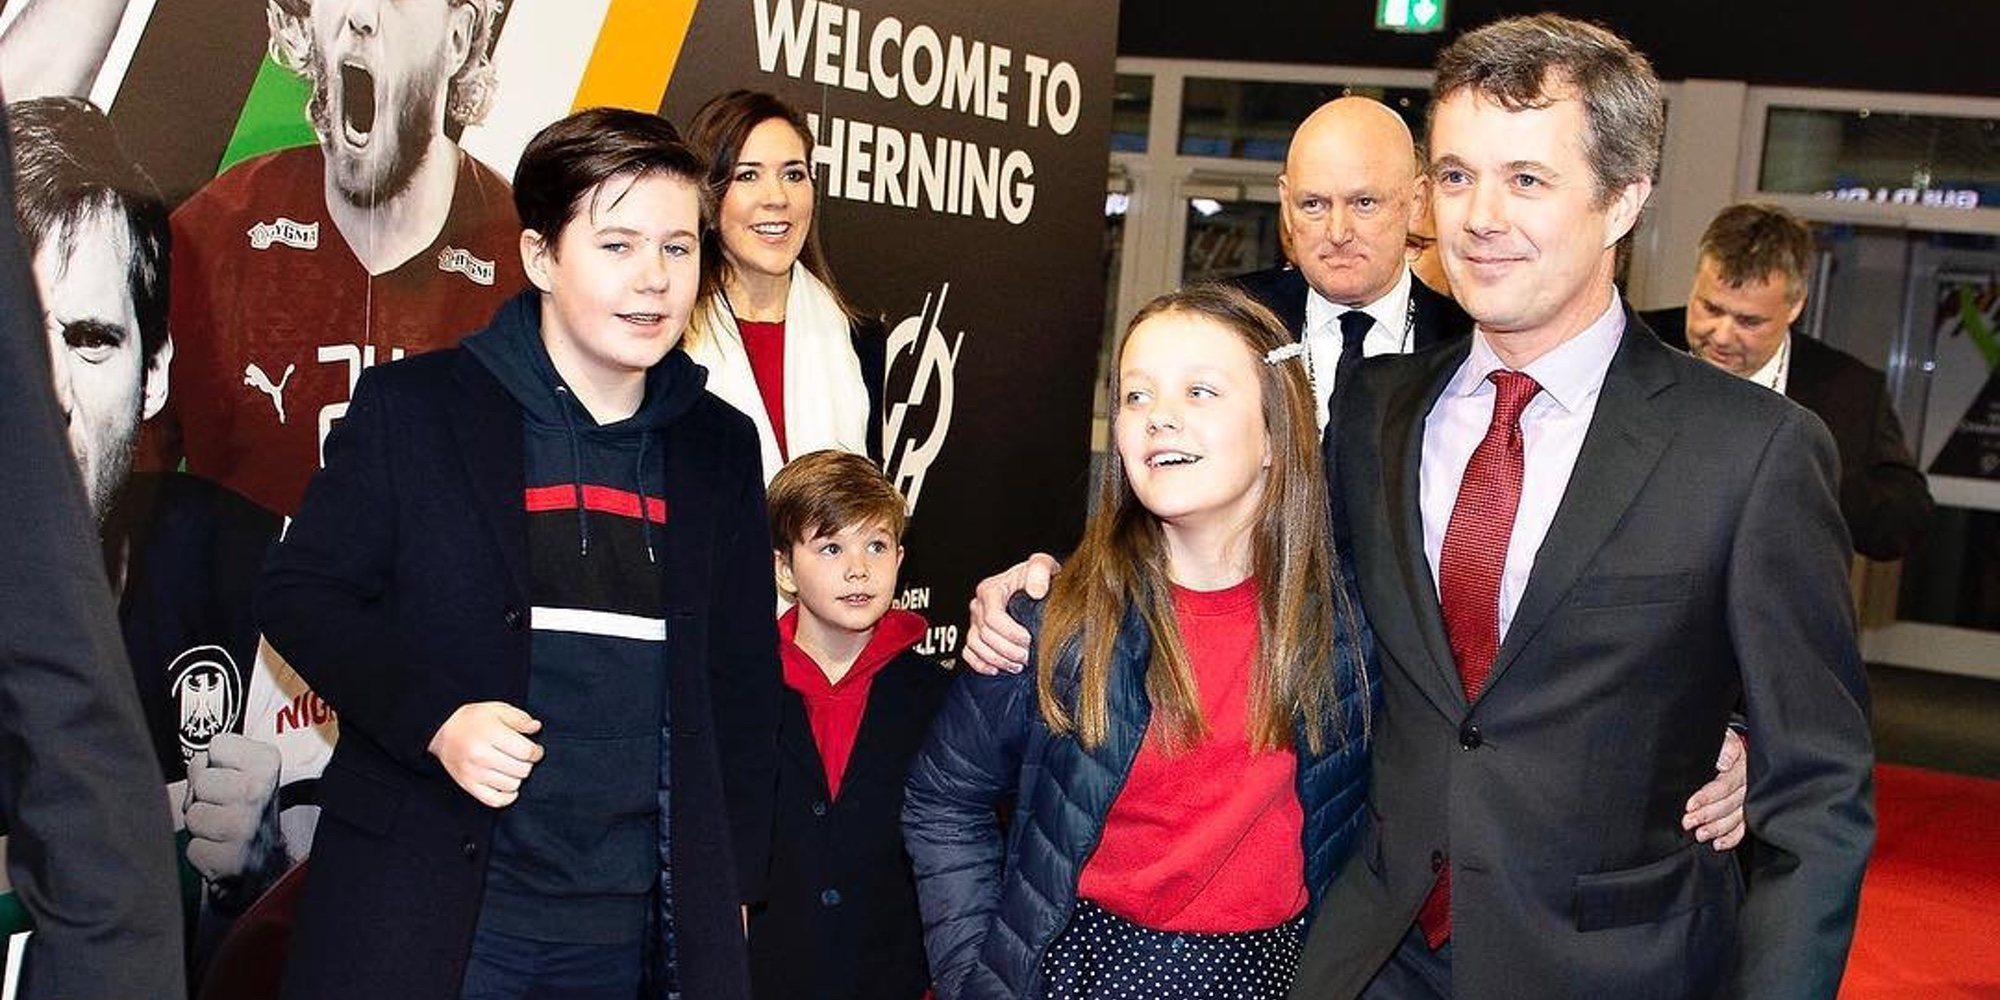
1469 570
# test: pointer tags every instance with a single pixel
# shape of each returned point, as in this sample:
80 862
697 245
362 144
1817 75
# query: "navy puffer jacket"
990 908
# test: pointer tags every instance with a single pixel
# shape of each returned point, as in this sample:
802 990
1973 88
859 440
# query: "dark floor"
1940 721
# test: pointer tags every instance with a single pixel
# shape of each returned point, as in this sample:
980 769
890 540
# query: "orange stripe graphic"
635 54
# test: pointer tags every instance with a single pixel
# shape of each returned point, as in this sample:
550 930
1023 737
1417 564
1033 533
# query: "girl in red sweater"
1187 750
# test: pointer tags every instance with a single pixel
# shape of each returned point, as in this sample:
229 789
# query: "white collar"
1777 371
1570 373
825 397
1390 310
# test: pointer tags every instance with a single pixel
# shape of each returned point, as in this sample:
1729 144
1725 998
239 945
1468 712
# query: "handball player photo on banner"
235 208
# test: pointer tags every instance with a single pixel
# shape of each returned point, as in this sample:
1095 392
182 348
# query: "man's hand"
1715 813
994 641
232 811
485 748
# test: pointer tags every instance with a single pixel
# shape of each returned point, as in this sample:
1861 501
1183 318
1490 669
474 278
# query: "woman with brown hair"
778 340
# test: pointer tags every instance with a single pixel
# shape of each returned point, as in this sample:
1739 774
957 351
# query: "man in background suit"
1346 202
1579 551
89 847
1749 288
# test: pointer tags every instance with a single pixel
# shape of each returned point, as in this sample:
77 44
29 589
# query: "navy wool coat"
841 922
402 592
992 903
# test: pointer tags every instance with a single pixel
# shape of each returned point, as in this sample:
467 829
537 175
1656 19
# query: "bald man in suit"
1348 198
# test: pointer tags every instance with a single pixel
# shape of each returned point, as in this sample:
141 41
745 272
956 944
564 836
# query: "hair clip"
1280 355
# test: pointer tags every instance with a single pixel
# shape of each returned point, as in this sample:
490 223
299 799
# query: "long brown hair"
719 130
1122 564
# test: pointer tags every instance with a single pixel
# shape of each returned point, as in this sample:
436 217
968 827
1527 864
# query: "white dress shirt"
1391 334
1552 430
1777 372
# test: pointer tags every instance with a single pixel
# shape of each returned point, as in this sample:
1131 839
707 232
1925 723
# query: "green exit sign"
1421 17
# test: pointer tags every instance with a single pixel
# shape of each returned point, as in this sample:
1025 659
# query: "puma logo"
254 377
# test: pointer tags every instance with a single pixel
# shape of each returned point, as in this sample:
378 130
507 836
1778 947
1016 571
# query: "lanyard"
1408 343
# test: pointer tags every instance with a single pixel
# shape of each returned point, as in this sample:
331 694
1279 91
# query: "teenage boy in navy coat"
534 580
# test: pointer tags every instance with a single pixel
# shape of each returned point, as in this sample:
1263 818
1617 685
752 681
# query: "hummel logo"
254 377
463 262
297 235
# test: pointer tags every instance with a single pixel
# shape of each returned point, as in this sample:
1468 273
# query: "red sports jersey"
273 318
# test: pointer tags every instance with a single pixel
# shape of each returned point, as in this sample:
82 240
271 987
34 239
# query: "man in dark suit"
1346 201
1749 288
1579 551
89 846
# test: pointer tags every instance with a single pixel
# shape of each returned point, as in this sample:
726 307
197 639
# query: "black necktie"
1353 333
1354 325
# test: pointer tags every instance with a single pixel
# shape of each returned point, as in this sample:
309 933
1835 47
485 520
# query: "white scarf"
826 401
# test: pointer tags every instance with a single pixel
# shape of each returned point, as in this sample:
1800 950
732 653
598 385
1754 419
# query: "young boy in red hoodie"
841 921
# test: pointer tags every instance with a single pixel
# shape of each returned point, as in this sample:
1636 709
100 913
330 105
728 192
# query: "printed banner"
332 179
1961 447
960 169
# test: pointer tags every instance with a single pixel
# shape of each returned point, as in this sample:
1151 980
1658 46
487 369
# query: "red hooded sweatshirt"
834 710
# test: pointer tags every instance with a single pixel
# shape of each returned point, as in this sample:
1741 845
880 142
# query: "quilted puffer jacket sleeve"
970 763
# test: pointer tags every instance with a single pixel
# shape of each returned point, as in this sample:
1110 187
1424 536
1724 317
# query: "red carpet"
1930 904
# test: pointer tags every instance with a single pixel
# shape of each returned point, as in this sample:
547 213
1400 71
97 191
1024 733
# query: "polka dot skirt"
1100 956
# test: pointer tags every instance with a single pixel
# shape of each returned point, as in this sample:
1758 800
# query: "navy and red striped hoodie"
575 857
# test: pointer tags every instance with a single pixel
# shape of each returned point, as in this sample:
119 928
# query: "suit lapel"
1625 440
795 736
1290 302
488 432
887 711
1402 458
1814 381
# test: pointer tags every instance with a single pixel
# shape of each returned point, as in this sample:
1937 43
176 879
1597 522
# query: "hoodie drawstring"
576 469
645 505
